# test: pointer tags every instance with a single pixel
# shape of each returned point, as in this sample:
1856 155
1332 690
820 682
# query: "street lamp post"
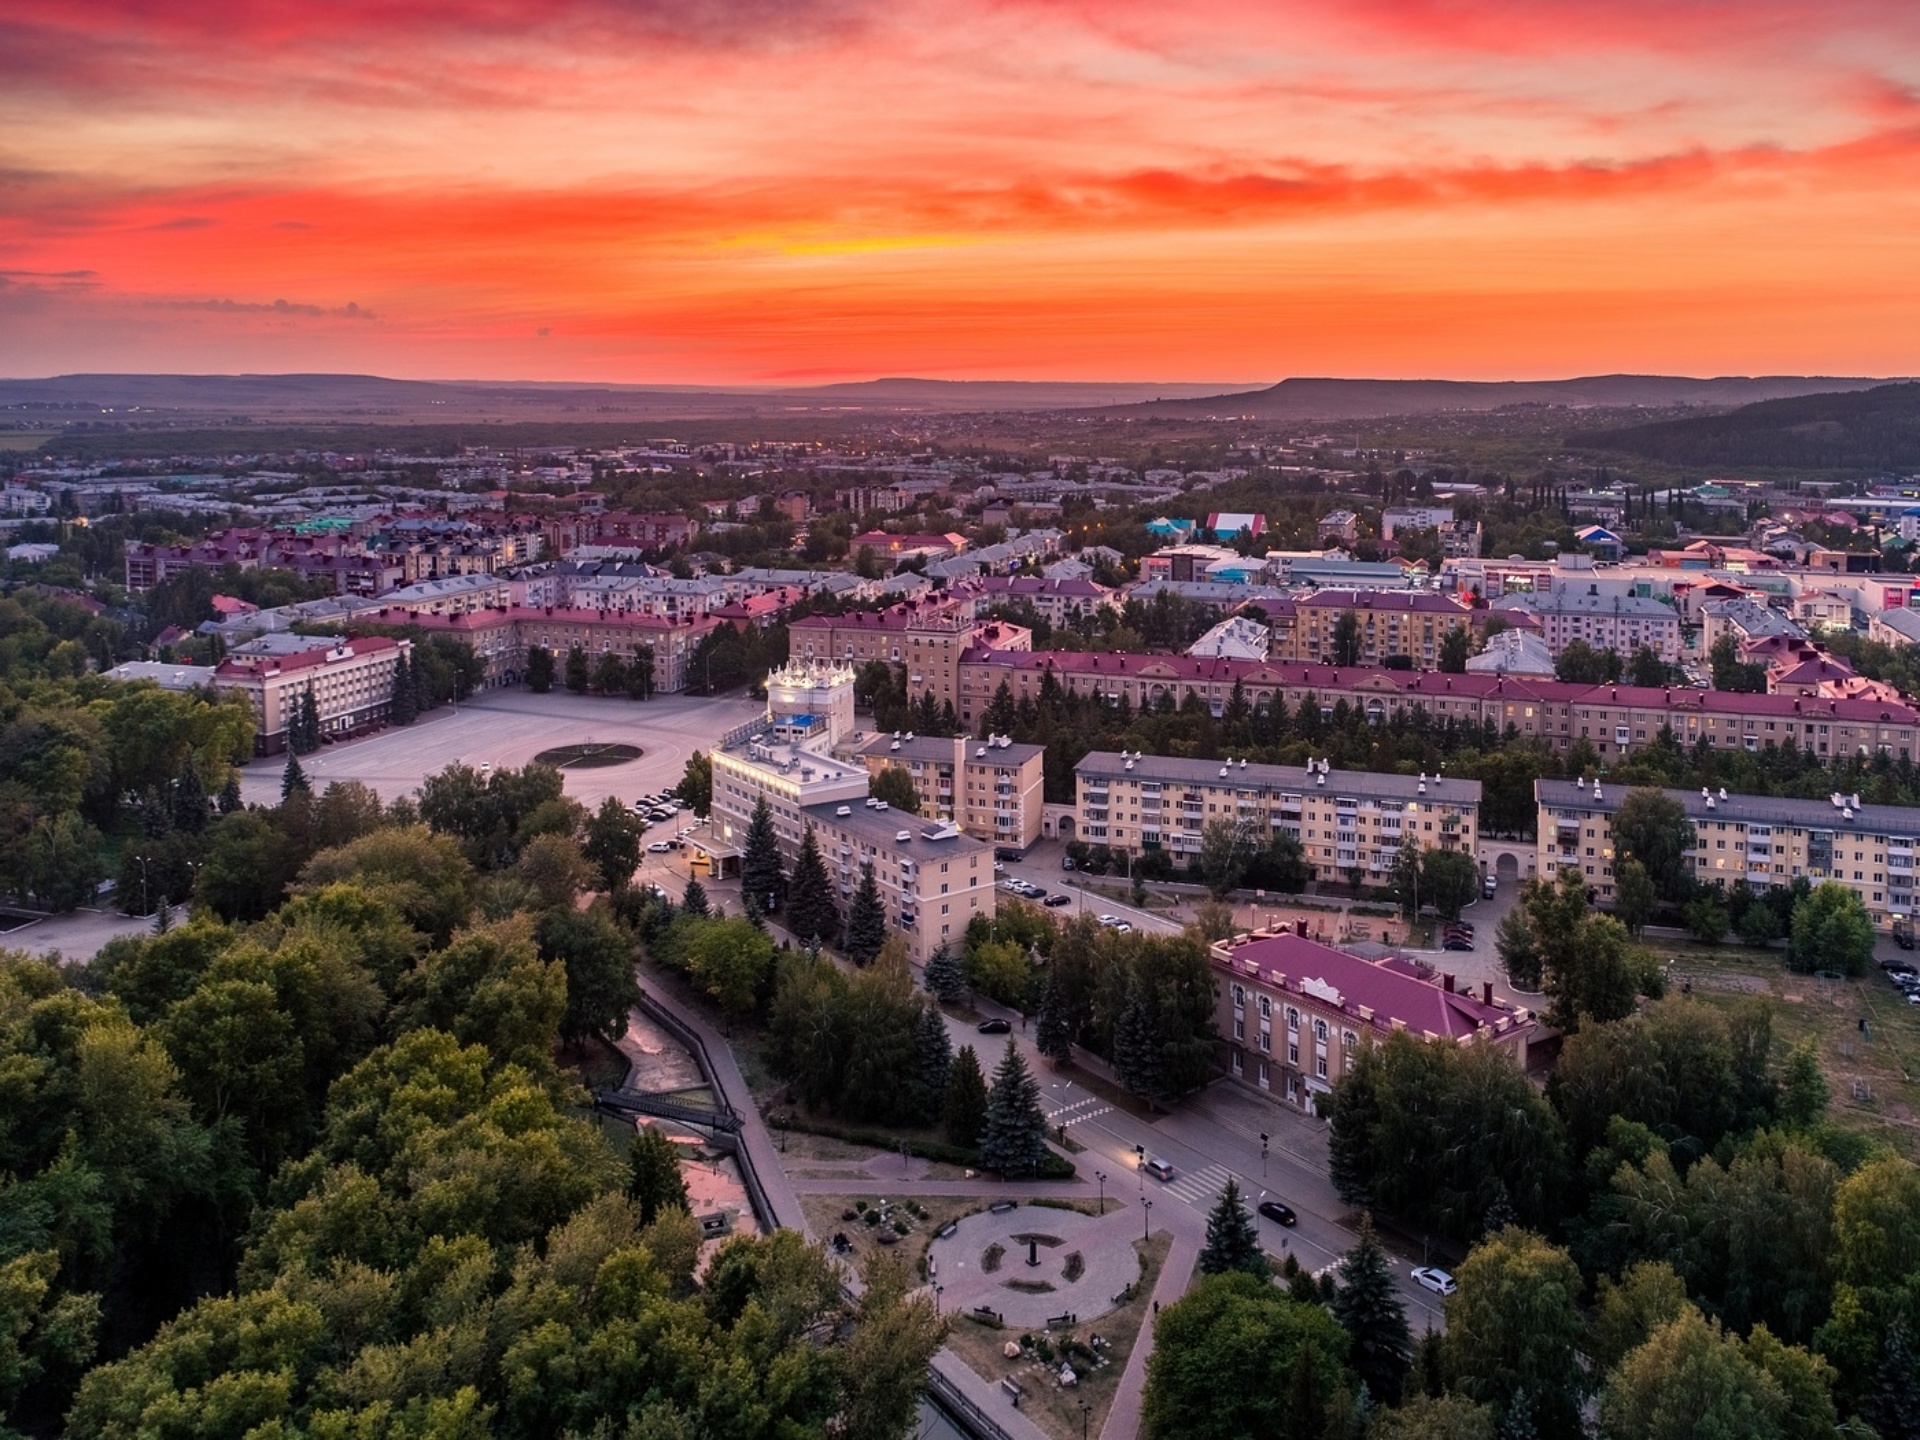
1085 1410
1263 1154
938 1290
1101 1177
1146 1221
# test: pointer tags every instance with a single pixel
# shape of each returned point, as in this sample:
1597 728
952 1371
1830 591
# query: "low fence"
963 1409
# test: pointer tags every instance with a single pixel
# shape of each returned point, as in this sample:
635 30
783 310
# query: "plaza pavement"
507 728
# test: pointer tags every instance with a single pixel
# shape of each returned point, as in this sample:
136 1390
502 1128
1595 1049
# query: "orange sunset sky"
778 191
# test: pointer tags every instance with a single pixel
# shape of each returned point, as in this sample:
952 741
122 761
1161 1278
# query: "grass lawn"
1874 1073
1054 1409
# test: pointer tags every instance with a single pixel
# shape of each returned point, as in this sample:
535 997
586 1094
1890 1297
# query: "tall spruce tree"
309 722
189 799
1053 1034
944 978
693 900
1232 1243
230 792
1136 1048
293 779
405 705
1015 1140
539 669
963 1110
936 1057
811 911
1369 1309
761 882
654 1182
866 920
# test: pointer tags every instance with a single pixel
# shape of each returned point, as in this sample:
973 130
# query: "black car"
1053 902
1278 1213
994 1026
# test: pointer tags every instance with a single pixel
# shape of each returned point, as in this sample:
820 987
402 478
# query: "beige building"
991 787
1391 623
925 637
933 878
1344 819
351 681
1294 1014
1763 841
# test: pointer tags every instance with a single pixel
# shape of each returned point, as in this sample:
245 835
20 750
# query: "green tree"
1450 879
1428 1417
1652 827
610 674
293 780
887 1354
654 1181
1369 1309
1014 1141
812 913
963 1109
696 785
761 882
598 956
1803 1089
1831 930
693 899
1706 919
732 960
1226 849
1232 1242
1235 1357
1578 663
1647 668
1592 977
249 863
557 871
944 978
1635 896
403 708
1519 955
640 674
1345 640
1404 879
1514 1329
895 786
1456 647
1691 1379
613 843
577 672
1053 1029
539 669
1627 1311
866 919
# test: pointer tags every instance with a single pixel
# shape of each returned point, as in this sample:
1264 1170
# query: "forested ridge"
1866 430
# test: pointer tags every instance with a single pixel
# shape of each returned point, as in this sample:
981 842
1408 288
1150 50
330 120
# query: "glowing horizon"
765 192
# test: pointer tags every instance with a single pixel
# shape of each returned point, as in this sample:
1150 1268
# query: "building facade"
991 787
1293 1014
1765 842
351 682
1391 623
1346 821
933 878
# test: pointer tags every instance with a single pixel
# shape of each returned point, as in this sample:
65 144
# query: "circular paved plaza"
1084 1265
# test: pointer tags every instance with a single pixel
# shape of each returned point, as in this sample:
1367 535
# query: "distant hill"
268 397
1329 399
1868 430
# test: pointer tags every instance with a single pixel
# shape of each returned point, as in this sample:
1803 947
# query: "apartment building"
927 637
1058 602
1345 820
1605 622
933 878
501 637
351 682
1761 840
146 564
1293 1014
991 787
1613 719
1391 623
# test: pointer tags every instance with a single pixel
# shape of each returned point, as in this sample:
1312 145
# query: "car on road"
1430 1278
659 847
1278 1213
1114 922
994 1025
1456 942
1057 900
1066 862
1489 887
1158 1168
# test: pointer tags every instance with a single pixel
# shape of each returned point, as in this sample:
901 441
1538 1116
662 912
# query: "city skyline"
753 193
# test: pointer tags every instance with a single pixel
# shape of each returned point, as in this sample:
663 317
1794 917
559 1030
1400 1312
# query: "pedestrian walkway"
1123 1419
1202 1187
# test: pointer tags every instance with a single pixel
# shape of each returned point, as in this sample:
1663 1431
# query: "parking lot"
507 728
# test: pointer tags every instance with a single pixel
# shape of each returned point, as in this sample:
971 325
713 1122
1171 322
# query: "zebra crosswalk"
1079 1110
1202 1187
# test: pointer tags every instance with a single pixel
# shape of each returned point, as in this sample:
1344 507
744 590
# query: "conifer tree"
293 779
867 920
405 706
694 900
189 799
1053 1035
1015 1140
1136 1049
963 1110
936 1056
811 911
230 792
654 1182
1232 1243
761 882
944 978
539 669
1369 1309
309 722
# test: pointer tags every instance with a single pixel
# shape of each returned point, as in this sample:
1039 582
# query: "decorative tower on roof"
811 702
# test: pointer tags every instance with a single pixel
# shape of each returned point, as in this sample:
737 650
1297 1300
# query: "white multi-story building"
933 878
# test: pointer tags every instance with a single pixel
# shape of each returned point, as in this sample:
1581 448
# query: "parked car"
994 1025
1438 1281
1114 922
1488 887
1006 852
1066 862
1055 901
1456 942
1158 1168
1278 1213
658 847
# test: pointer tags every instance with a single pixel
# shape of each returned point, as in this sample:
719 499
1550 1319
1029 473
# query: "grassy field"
20 440
1874 1072
1054 1409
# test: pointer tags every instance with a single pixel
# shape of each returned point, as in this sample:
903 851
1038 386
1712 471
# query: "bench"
1060 1322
